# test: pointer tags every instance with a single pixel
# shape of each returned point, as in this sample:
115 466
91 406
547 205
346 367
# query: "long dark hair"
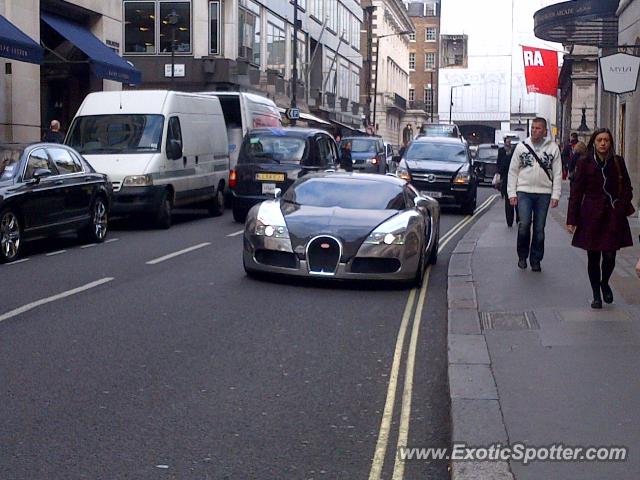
591 147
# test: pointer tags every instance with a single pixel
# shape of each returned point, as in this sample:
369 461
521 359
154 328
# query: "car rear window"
361 145
348 193
487 153
436 151
266 147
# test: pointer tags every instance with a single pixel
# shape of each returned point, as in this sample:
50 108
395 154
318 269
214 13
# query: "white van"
242 112
160 149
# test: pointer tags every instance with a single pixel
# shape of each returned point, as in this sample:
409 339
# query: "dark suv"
273 158
441 168
368 154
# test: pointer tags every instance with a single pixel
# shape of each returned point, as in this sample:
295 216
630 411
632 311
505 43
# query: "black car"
273 158
486 161
45 189
441 168
368 153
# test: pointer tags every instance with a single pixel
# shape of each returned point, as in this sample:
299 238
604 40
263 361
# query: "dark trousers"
532 208
510 211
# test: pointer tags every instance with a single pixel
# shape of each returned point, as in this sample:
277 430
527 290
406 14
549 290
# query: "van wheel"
216 207
10 236
96 231
163 217
239 214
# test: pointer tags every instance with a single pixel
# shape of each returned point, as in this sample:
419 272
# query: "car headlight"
372 161
403 173
137 181
272 231
378 238
462 178
391 232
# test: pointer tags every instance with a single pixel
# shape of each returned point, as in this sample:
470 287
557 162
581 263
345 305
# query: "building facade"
242 45
32 94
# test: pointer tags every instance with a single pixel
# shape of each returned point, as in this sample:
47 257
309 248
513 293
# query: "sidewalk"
531 362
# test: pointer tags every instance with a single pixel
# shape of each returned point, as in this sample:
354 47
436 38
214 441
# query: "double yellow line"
405 410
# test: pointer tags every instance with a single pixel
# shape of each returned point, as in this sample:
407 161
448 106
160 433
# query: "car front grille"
323 255
276 259
431 177
375 265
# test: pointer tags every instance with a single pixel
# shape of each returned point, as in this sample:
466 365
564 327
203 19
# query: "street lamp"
375 85
451 99
172 20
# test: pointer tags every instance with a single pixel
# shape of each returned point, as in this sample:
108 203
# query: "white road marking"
22 260
387 414
235 234
68 293
90 245
175 254
111 240
55 253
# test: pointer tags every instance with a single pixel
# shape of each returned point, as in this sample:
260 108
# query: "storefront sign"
178 70
620 73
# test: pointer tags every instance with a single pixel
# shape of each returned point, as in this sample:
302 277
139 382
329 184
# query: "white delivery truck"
160 149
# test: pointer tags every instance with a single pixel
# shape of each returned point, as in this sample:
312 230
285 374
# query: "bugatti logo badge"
324 246
431 178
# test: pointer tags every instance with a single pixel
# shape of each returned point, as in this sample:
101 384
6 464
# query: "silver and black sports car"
344 226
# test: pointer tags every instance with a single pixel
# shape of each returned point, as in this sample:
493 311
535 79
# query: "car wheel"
239 214
216 207
10 236
433 257
163 217
418 281
96 231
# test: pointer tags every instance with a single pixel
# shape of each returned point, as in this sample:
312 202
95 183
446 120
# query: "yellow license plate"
270 177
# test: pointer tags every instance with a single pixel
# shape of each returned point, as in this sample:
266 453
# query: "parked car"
368 153
161 149
273 158
47 189
344 226
486 162
441 168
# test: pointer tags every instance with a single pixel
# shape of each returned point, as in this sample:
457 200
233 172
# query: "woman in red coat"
599 203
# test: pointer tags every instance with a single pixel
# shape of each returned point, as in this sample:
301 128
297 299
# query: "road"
154 356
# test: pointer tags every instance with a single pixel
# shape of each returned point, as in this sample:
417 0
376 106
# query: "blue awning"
105 63
17 45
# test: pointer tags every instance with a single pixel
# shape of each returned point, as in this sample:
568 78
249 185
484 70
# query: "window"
302 55
332 14
428 99
181 27
317 9
139 27
215 25
355 84
64 161
430 10
412 94
248 34
412 37
173 131
412 61
355 34
38 160
276 39
454 50
429 61
329 71
430 34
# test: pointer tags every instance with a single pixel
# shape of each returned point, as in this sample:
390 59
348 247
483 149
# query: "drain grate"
509 321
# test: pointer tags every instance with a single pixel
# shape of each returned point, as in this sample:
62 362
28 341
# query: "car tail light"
233 179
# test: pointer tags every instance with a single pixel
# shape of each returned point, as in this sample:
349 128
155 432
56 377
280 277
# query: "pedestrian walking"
566 154
407 134
578 150
346 162
504 160
534 183
53 135
599 203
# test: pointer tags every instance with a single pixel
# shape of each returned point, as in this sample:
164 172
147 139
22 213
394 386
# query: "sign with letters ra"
540 70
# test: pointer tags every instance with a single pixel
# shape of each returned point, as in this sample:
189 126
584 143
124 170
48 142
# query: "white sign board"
178 70
619 73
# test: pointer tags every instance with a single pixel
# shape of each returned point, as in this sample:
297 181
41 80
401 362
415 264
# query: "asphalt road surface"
154 356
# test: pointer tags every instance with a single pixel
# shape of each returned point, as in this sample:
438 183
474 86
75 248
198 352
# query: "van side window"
173 130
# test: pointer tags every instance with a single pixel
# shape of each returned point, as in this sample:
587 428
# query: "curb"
476 414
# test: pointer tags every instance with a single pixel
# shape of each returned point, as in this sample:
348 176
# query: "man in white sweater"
534 183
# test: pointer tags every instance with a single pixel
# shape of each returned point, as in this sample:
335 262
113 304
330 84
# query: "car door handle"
88 179
58 182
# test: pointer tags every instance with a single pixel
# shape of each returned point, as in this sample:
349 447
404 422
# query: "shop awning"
579 22
17 45
105 63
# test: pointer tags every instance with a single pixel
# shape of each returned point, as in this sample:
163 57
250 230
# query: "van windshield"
102 134
272 147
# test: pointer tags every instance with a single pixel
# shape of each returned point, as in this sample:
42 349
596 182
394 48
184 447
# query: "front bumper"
137 199
447 194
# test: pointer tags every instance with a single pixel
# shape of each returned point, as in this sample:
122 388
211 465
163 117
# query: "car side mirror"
39 174
174 150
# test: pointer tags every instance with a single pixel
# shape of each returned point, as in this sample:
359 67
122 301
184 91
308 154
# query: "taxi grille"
323 255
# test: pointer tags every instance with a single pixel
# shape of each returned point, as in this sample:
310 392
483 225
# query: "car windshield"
103 134
437 151
271 147
9 159
361 145
487 153
348 193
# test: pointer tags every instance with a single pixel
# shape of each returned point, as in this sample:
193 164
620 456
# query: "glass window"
267 147
302 56
412 94
139 27
107 134
317 9
412 37
64 161
332 14
38 160
429 61
175 17
454 50
246 34
437 151
276 39
430 34
215 23
174 132
428 98
9 161
412 61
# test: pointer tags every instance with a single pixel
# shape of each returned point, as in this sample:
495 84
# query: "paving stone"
471 349
472 381
481 471
464 321
460 264
477 422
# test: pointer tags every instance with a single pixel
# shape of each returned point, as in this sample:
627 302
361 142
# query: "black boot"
607 294
597 300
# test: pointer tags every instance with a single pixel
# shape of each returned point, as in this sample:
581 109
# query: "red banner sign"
541 70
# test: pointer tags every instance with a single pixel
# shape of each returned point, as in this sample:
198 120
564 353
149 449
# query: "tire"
96 231
216 205
10 236
419 279
163 216
239 214
433 257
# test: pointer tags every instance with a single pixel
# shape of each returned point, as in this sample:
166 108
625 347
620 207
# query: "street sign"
619 73
292 113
